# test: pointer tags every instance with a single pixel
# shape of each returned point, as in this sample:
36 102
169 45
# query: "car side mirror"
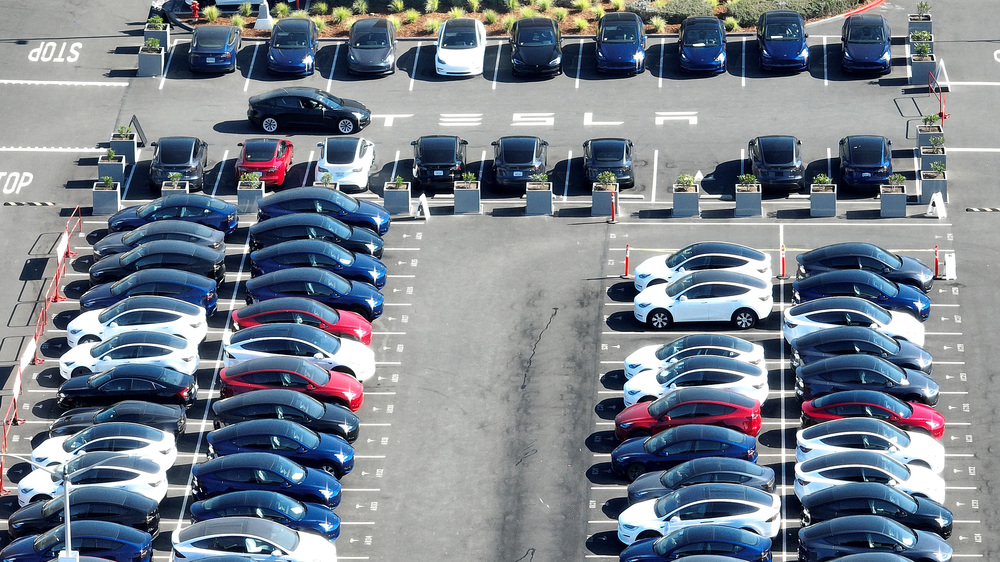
154 143
805 36
465 142
106 358
798 142
494 143
113 325
675 519
277 553
413 143
889 142
545 143
319 144
317 355
311 387
682 298
239 144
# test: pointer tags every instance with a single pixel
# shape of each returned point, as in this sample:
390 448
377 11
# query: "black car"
264 471
320 254
776 160
182 231
133 381
319 284
273 506
846 340
874 498
183 256
165 417
292 48
536 47
325 201
438 159
307 107
309 226
855 534
187 156
286 404
609 155
371 47
517 159
701 471
864 372
100 503
866 257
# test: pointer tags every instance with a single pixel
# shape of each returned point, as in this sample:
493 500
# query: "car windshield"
518 152
131 256
341 151
789 31
889 258
901 534
681 256
777 151
665 505
124 285
607 152
290 39
347 202
619 33
213 39
370 40
292 472
103 348
259 150
462 38
107 314
292 509
49 540
677 474
172 153
320 376
535 37
866 34
681 285
867 153
668 350
306 436
151 207
702 37
52 507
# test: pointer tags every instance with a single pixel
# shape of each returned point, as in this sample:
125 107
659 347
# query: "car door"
308 112
725 300
693 305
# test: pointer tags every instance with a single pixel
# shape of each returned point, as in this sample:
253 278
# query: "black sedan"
183 256
536 47
609 155
100 503
325 201
438 159
372 47
856 534
866 257
165 417
288 439
864 372
187 156
776 160
313 226
134 381
191 207
274 506
320 254
874 498
182 285
285 404
847 340
701 471
181 231
517 159
324 286
307 107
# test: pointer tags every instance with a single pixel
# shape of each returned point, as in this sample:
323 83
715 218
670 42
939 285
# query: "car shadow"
614 380
623 291
608 408
605 543
600 473
614 507
602 442
772 438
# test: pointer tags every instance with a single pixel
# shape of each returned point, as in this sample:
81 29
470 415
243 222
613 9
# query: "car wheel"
638 433
40 498
659 319
744 319
332 469
269 124
346 126
635 470
647 398
919 463
345 370
80 372
88 339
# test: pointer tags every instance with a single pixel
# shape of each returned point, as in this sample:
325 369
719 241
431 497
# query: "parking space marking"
61 83
496 66
166 68
222 169
659 80
826 73
51 149
416 59
128 184
333 66
579 64
743 63
569 158
253 60
305 177
656 159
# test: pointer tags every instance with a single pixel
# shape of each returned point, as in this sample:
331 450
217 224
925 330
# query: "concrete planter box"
928 156
335 185
114 168
538 198
467 198
396 198
686 199
917 22
150 63
931 183
919 69
892 201
748 196
107 201
602 199
126 146
925 132
162 35
169 189
823 200
248 194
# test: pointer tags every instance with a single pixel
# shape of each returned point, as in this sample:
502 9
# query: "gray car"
517 159
372 47
187 156
777 161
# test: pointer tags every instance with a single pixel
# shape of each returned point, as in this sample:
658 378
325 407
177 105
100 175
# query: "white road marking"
659 81
579 63
222 169
656 158
51 149
569 159
166 68
61 83
416 57
333 66
496 67
246 83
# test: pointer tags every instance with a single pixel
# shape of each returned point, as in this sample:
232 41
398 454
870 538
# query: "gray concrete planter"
892 201
823 200
686 198
931 183
467 198
929 155
917 22
538 198
602 199
919 69
248 194
396 198
925 132
107 201
748 196
150 63
161 35
126 146
169 188
114 168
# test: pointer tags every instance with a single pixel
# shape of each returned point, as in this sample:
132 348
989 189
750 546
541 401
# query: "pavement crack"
534 347
529 555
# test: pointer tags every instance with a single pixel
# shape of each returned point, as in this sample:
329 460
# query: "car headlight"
327 493
62 395
633 392
885 57
626 425
684 55
556 60
389 58
847 56
307 60
805 52
764 54
627 527
25 491
933 425
75 331
639 55
600 54
721 57
270 56
17 525
351 57
70 363
41 460
358 115
642 304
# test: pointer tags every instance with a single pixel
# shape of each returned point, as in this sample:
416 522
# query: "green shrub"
432 25
598 12
151 43
923 8
431 6
155 23
658 23
937 142
618 5
713 3
491 16
528 12
560 14
394 20
545 5
744 179
607 177
939 167
511 5
580 24
340 14
456 12
474 5
281 10
731 23
657 4
507 22
748 11
245 9
822 178
929 120
922 49
319 9
396 6
676 11
211 13
411 15
896 179
239 21
582 5
920 35
359 6
320 22
686 179
299 14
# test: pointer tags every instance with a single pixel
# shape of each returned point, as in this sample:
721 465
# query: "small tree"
923 9
686 179
930 120
822 178
109 182
938 167
124 131
174 178
745 179
922 50
607 177
151 44
896 179
250 178
468 176
155 23
399 182
937 142
111 155
920 35
542 177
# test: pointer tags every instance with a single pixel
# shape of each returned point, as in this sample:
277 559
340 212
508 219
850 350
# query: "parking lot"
487 430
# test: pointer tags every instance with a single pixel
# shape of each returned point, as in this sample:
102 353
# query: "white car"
100 468
869 434
140 313
251 537
461 47
706 371
120 437
151 348
866 466
706 296
348 160
317 346
830 312
701 256
731 505
654 357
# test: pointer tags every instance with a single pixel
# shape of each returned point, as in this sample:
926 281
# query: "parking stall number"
50 51
13 181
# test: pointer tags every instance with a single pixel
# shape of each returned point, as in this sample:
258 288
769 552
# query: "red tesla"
874 404
293 373
268 158
301 310
690 405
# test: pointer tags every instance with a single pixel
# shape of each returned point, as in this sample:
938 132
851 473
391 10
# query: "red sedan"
690 405
873 404
268 158
301 310
293 373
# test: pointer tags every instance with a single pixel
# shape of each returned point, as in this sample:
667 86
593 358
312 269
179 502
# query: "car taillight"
185 393
751 453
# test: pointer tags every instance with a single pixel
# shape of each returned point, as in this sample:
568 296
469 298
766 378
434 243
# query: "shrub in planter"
281 10
318 9
822 179
245 9
211 13
151 46
746 179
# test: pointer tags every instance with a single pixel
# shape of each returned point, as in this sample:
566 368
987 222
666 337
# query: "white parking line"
579 65
656 158
569 158
62 83
743 63
659 81
826 73
166 68
416 57
333 66
312 154
246 83
222 169
496 71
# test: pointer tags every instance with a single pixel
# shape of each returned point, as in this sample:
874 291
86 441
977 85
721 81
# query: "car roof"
129 407
699 431
520 141
303 245
726 248
462 22
123 429
307 219
852 524
179 142
842 249
259 427
145 371
611 141
158 338
368 24
114 459
109 495
313 192
776 141
713 363
293 23
107 529
155 302
782 14
274 363
859 361
722 491
706 394
301 91
723 464
196 199
297 331
705 533
275 396
261 142
287 303
180 246
269 461
842 276
439 141
850 425
865 139
536 22
866 19
845 458
229 526
852 490
714 340
310 274
858 396
725 276
842 333
836 303
620 17
171 225
701 21
170 275
262 498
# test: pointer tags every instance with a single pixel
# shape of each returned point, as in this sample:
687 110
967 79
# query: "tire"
639 433
269 124
646 398
331 469
634 471
744 319
345 370
659 319
346 126
648 535
80 372
88 339
919 463
40 497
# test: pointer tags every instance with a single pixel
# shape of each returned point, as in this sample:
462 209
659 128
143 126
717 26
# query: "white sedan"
321 348
151 348
654 357
143 312
99 468
250 537
701 256
120 437
461 47
869 434
706 296
347 160
708 371
866 466
830 312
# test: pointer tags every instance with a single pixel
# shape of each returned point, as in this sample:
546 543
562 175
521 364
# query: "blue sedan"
97 539
781 39
214 48
865 160
274 506
621 43
264 471
286 438
300 226
326 201
292 48
867 44
701 44
320 254
121 242
864 284
701 539
673 446
182 285
321 285
193 207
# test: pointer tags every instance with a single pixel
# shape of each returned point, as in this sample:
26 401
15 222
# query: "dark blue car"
274 506
700 471
192 207
781 39
302 226
847 340
875 498
701 45
182 285
863 284
183 231
326 201
292 48
321 285
673 446
869 257
621 43
98 539
866 41
320 254
289 439
700 539
282 403
214 48
864 372
840 537
264 471
865 160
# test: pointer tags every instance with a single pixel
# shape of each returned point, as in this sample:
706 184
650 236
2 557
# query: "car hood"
638 514
323 482
647 486
930 510
124 219
29 513
865 52
634 413
111 244
929 547
783 50
925 415
97 297
701 55
353 105
373 266
538 55
628 448
619 52
912 267
371 56
460 57
74 421
291 57
22 547
107 265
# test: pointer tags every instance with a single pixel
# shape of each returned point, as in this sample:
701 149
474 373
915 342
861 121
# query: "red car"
293 373
873 404
270 158
690 405
300 310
